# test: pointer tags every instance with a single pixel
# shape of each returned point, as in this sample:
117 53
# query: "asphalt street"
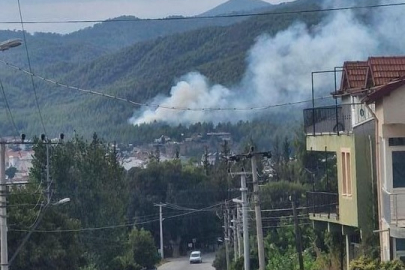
184 264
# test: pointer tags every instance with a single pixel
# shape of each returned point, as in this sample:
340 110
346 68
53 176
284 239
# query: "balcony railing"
330 119
394 208
323 204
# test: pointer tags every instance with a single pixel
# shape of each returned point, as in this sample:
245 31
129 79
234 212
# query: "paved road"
184 264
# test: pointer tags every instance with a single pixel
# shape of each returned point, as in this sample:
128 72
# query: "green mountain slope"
138 72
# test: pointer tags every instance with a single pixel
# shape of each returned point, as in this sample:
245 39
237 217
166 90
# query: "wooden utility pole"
226 238
234 235
298 240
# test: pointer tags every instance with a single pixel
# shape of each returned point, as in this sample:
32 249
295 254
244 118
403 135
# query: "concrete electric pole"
3 207
238 230
256 199
258 214
5 45
245 220
234 235
161 228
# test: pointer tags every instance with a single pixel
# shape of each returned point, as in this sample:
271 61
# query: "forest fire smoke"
279 67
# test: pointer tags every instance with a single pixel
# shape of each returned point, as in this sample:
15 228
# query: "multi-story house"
347 131
389 102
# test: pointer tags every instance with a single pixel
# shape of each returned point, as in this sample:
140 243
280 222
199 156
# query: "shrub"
367 263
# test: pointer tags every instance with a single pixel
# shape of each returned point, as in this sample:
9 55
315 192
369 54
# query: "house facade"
365 166
389 102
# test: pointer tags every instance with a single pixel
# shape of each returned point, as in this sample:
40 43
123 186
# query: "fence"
326 203
330 119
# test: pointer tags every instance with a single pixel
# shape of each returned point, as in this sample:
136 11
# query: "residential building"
389 99
347 131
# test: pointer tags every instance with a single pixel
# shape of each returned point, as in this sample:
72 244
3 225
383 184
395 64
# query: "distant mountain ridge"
237 6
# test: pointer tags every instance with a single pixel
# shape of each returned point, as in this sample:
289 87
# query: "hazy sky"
61 10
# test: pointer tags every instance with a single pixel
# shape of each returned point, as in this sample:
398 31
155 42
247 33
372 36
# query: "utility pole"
234 235
238 231
3 207
5 45
298 243
245 222
246 247
256 199
48 181
226 238
258 214
161 228
5 262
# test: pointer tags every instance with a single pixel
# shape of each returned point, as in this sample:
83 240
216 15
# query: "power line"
150 221
157 106
304 11
30 68
117 226
11 118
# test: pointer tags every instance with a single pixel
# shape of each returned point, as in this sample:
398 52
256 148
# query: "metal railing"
394 208
329 119
324 203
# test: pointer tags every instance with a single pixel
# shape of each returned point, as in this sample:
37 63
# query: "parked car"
195 257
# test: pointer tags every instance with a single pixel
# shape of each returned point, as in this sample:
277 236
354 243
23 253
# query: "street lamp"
27 236
10 43
62 201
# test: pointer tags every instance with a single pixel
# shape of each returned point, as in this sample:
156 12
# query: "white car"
195 257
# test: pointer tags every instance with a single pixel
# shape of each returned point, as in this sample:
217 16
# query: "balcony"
394 208
323 205
327 120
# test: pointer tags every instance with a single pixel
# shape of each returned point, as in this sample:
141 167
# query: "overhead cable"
30 68
9 113
178 18
116 226
157 106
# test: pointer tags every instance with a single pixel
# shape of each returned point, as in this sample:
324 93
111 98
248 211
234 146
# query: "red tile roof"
376 71
384 90
354 75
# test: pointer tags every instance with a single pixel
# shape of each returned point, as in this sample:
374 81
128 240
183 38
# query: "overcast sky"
62 10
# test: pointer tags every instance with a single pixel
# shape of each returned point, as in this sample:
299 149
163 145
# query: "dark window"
396 141
398 168
400 244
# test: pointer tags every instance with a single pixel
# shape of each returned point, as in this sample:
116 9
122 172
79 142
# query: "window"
346 173
396 141
398 169
400 244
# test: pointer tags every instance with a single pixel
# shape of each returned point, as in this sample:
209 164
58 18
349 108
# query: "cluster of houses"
366 133
18 157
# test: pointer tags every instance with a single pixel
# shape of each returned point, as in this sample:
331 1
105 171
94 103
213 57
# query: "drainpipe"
378 176
372 176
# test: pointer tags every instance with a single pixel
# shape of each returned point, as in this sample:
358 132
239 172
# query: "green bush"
220 259
367 263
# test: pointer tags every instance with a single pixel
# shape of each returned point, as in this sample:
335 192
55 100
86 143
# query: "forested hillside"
137 72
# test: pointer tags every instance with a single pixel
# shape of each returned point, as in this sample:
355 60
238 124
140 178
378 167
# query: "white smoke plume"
280 66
